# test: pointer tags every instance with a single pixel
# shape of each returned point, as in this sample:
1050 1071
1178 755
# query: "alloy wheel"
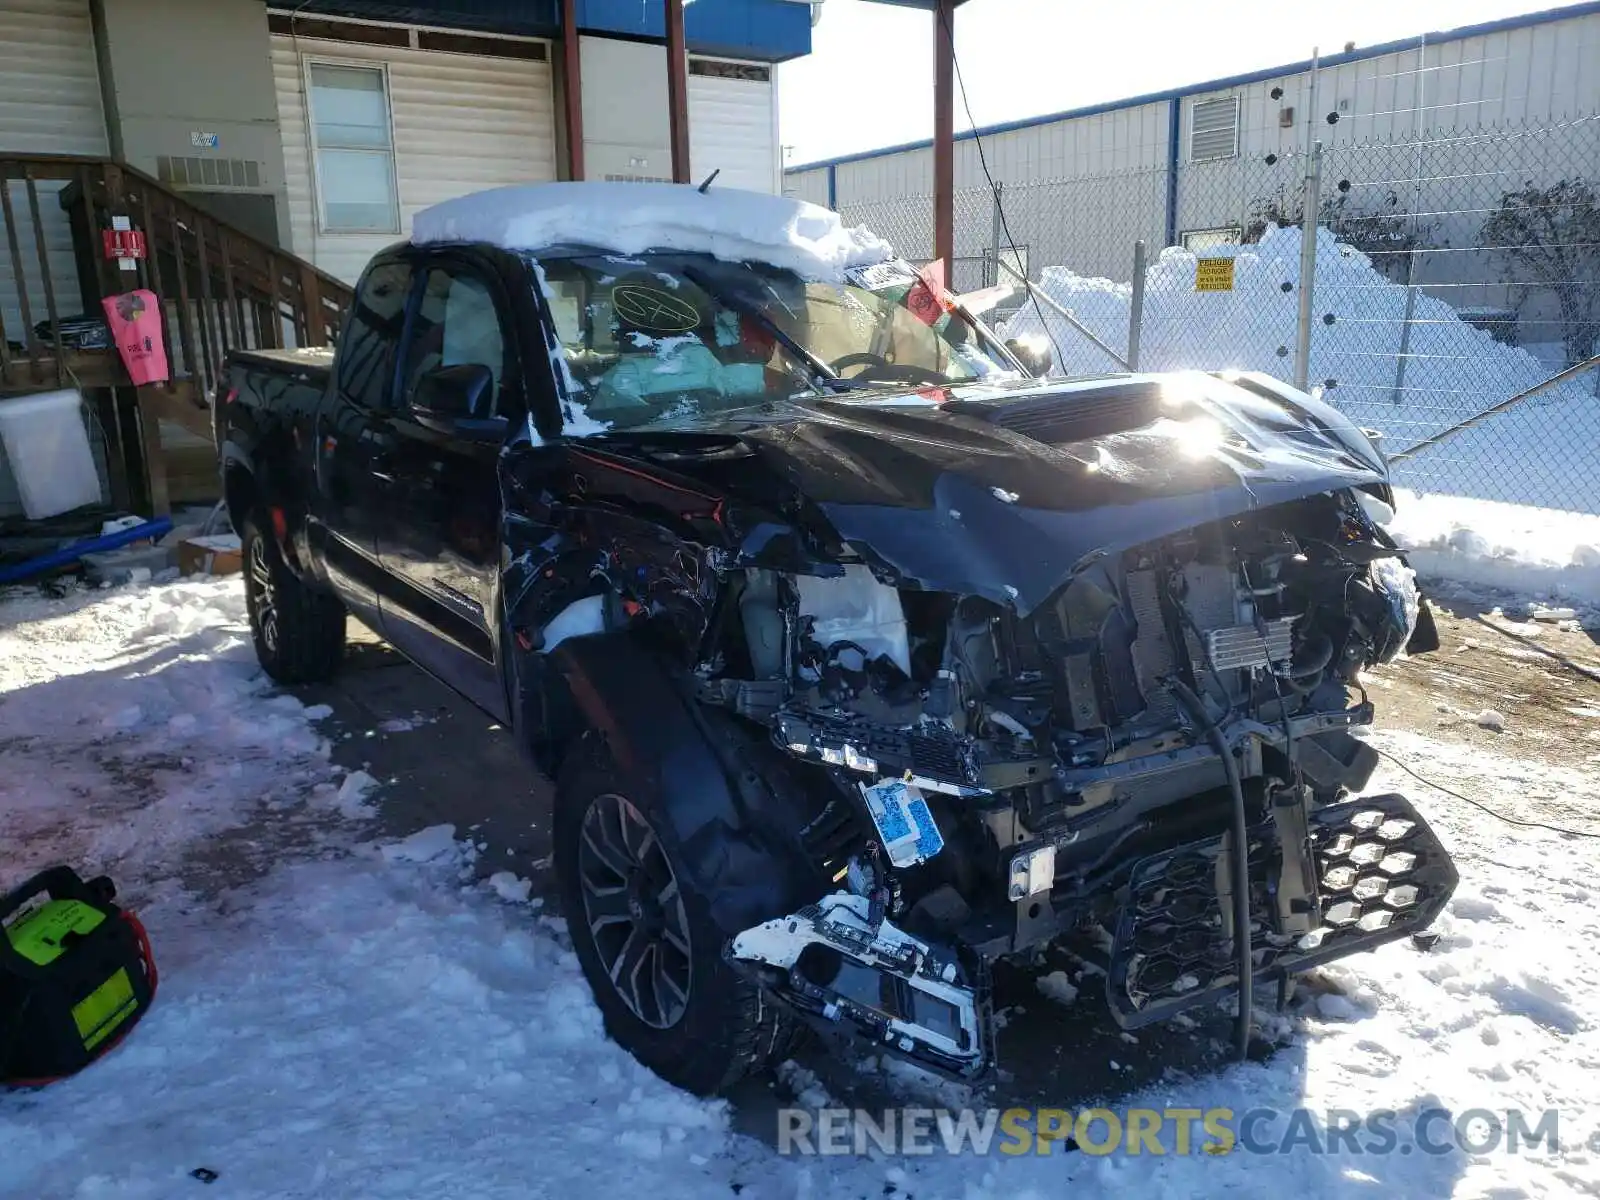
635 911
263 594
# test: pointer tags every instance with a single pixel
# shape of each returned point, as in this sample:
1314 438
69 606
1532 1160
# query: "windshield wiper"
819 371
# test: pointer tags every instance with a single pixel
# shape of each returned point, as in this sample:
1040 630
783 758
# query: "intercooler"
1218 642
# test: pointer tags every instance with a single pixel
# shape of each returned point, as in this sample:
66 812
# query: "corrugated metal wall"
462 123
811 186
733 127
1107 171
49 104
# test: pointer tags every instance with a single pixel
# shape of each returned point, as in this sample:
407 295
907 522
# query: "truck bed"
312 365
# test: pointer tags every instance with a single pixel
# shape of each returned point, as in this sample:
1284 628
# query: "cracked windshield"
669 337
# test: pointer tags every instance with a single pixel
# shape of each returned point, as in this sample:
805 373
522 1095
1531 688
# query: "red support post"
572 88
678 91
944 57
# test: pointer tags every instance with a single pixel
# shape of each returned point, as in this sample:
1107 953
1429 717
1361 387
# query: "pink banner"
135 322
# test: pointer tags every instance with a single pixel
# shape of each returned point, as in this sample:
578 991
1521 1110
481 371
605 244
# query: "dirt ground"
1542 677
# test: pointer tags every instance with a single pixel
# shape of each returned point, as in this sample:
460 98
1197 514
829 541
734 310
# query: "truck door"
351 437
440 540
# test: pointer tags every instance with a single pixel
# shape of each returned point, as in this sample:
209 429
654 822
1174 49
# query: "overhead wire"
994 190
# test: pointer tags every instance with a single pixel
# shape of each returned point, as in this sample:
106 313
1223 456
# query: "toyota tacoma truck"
861 655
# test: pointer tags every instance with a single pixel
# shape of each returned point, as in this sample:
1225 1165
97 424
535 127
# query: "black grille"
1381 874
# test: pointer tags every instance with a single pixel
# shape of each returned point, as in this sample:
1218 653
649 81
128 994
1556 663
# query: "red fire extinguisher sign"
123 243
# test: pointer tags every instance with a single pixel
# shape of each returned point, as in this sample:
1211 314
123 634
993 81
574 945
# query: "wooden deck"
80 369
220 290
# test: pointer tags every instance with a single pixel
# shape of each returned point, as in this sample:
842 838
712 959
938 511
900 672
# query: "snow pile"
629 218
1527 455
147 701
510 887
426 845
1534 552
352 797
1058 986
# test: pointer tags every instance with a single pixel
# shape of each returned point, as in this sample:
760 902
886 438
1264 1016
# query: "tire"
723 1028
298 631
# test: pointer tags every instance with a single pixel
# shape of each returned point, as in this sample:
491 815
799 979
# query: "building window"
353 142
1207 239
1214 129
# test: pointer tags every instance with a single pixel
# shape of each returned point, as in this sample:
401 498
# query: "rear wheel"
298 631
646 941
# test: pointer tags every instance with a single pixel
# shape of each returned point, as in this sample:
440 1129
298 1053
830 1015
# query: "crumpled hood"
1006 491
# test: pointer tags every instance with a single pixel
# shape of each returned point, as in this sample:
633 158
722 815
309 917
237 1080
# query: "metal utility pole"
1402 360
1308 267
997 235
1309 214
944 165
678 92
1136 307
572 88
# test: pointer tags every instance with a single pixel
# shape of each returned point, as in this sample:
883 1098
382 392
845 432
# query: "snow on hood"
629 218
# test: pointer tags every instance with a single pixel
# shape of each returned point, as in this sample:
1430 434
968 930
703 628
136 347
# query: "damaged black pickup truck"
861 657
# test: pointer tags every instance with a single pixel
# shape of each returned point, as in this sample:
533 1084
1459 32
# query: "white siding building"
325 126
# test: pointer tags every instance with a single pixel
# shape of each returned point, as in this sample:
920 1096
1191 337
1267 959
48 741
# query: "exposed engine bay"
1102 770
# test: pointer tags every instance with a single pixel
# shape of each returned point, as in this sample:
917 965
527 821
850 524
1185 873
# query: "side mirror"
451 399
1033 353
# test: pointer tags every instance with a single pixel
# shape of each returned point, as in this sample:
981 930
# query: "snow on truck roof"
628 218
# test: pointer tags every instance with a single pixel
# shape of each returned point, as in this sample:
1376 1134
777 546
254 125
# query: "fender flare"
729 812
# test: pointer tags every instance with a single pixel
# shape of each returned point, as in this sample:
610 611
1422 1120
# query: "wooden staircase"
220 289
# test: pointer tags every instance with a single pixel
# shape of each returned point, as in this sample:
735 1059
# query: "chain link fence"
1450 271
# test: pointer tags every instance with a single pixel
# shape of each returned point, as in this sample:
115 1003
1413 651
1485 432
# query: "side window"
456 323
372 337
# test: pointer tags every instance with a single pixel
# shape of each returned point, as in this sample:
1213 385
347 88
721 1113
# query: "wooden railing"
220 287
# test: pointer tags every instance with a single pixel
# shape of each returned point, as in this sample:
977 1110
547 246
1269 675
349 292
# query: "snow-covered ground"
368 1021
1538 553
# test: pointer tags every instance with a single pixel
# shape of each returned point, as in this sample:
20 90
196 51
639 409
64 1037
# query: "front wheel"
298 631
646 942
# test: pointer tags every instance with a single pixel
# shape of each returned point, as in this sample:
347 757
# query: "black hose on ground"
1245 964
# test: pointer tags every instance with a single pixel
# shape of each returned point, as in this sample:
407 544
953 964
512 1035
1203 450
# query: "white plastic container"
48 449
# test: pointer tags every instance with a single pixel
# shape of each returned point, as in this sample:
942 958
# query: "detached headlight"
1396 584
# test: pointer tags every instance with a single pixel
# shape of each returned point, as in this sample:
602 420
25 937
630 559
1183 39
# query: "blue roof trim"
1521 21
763 30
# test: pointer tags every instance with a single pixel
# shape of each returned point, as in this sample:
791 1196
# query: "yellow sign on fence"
1213 275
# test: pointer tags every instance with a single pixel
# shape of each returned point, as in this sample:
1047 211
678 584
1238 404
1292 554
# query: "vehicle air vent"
1075 416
